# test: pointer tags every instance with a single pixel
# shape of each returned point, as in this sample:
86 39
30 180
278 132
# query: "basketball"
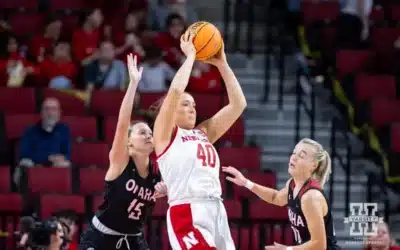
207 41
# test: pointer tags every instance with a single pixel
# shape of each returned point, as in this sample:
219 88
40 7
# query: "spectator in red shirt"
383 240
58 69
169 42
86 39
128 40
69 219
205 78
15 68
42 44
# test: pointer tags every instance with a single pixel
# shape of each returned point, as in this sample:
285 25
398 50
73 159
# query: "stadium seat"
69 5
16 124
49 180
110 124
5 179
246 237
70 104
374 86
385 111
90 154
235 135
222 180
233 209
17 100
50 203
350 61
241 158
259 209
383 43
81 126
207 105
275 233
264 179
149 99
395 12
26 23
11 202
91 181
164 238
18 4
323 11
395 138
377 15
106 103
161 207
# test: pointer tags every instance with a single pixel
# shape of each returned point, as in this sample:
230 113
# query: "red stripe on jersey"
187 235
174 133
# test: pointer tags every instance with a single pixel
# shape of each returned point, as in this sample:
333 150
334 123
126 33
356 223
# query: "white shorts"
199 226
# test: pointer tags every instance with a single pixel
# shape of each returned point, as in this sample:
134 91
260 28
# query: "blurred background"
327 70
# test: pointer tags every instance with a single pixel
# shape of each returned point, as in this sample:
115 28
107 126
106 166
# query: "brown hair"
323 170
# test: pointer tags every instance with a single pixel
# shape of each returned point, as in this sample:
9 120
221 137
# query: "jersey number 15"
207 155
135 209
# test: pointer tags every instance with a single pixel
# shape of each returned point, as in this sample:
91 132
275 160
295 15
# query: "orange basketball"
207 41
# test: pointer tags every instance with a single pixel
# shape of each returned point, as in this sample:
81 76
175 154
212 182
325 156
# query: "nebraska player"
189 163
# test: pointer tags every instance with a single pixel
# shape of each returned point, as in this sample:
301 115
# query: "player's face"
186 112
302 161
382 239
140 139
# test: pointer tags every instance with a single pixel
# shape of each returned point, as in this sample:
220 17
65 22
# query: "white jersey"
190 167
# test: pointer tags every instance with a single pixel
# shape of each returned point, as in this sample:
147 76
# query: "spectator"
106 72
49 141
129 40
205 78
169 42
86 39
156 73
15 68
353 26
59 70
42 44
57 239
160 13
383 240
69 219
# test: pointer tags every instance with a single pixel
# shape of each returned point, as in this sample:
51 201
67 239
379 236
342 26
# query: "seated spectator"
59 70
87 37
156 73
15 68
159 14
68 219
42 44
353 25
128 40
383 240
205 78
169 42
49 141
106 72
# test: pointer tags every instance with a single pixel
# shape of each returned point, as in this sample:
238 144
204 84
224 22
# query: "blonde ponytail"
324 168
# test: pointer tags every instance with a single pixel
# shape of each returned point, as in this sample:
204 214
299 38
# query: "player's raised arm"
273 196
217 125
119 152
165 120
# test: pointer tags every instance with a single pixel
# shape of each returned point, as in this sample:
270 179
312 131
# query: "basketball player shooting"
189 163
309 212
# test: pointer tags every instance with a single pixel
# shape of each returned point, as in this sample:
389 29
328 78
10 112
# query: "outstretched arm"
217 125
165 120
119 152
273 196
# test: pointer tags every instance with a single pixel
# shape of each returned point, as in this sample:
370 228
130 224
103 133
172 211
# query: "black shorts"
93 239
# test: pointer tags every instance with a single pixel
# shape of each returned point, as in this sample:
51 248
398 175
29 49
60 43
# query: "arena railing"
9 224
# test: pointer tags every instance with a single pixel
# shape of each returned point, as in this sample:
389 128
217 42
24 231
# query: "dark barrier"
247 234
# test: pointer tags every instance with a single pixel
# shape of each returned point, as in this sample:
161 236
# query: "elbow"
241 104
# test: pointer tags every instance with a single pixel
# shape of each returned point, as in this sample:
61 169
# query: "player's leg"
224 240
185 230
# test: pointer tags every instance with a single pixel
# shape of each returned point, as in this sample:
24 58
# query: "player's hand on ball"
161 190
236 177
135 74
218 59
187 45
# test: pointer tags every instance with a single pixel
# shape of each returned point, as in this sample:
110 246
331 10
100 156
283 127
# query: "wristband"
249 185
